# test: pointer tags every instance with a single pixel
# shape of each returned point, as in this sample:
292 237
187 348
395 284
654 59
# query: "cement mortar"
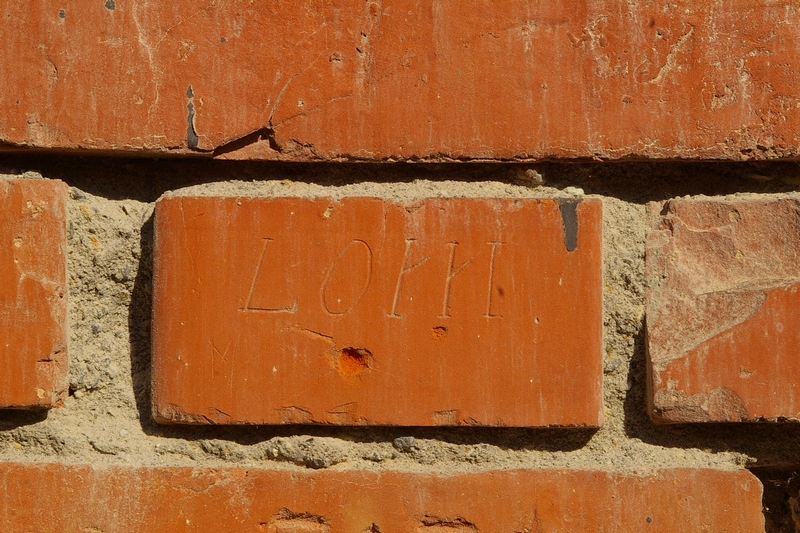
106 418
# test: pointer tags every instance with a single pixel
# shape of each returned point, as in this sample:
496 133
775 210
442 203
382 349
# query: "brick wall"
371 266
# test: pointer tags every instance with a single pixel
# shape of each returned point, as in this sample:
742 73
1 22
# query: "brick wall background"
618 180
104 421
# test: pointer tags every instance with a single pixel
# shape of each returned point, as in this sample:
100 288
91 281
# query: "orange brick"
50 497
33 293
403 78
723 310
367 311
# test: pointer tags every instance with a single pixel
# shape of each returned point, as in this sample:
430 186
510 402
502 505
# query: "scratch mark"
314 334
183 21
670 64
365 72
267 134
489 314
345 413
404 269
217 352
148 49
286 85
151 49
314 109
221 412
451 273
291 414
308 37
286 520
188 250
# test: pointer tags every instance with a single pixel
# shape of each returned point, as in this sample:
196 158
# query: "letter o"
343 288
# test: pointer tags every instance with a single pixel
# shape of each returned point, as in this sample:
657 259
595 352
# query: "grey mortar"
106 420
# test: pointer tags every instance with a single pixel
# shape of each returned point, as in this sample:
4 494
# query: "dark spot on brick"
192 140
191 135
569 219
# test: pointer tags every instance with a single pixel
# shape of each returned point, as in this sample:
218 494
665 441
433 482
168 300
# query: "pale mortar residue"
106 418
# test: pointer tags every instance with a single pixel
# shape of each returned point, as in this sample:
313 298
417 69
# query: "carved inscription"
357 254
247 306
451 273
365 311
405 269
488 313
349 275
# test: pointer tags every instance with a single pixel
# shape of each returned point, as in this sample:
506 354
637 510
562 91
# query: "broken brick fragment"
723 310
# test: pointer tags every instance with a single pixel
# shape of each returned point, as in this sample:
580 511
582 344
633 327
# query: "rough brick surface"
367 311
33 293
723 310
403 79
128 499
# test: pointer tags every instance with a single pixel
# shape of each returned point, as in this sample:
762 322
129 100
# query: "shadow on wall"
139 318
770 444
145 179
781 498
14 418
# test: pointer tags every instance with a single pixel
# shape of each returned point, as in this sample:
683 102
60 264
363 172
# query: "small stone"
77 194
529 177
574 191
405 444
611 366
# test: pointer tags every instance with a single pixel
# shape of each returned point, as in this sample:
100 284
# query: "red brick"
358 311
403 78
50 497
723 310
33 293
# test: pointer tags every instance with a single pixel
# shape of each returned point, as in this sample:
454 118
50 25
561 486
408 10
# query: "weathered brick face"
79 498
403 79
367 311
722 310
33 293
